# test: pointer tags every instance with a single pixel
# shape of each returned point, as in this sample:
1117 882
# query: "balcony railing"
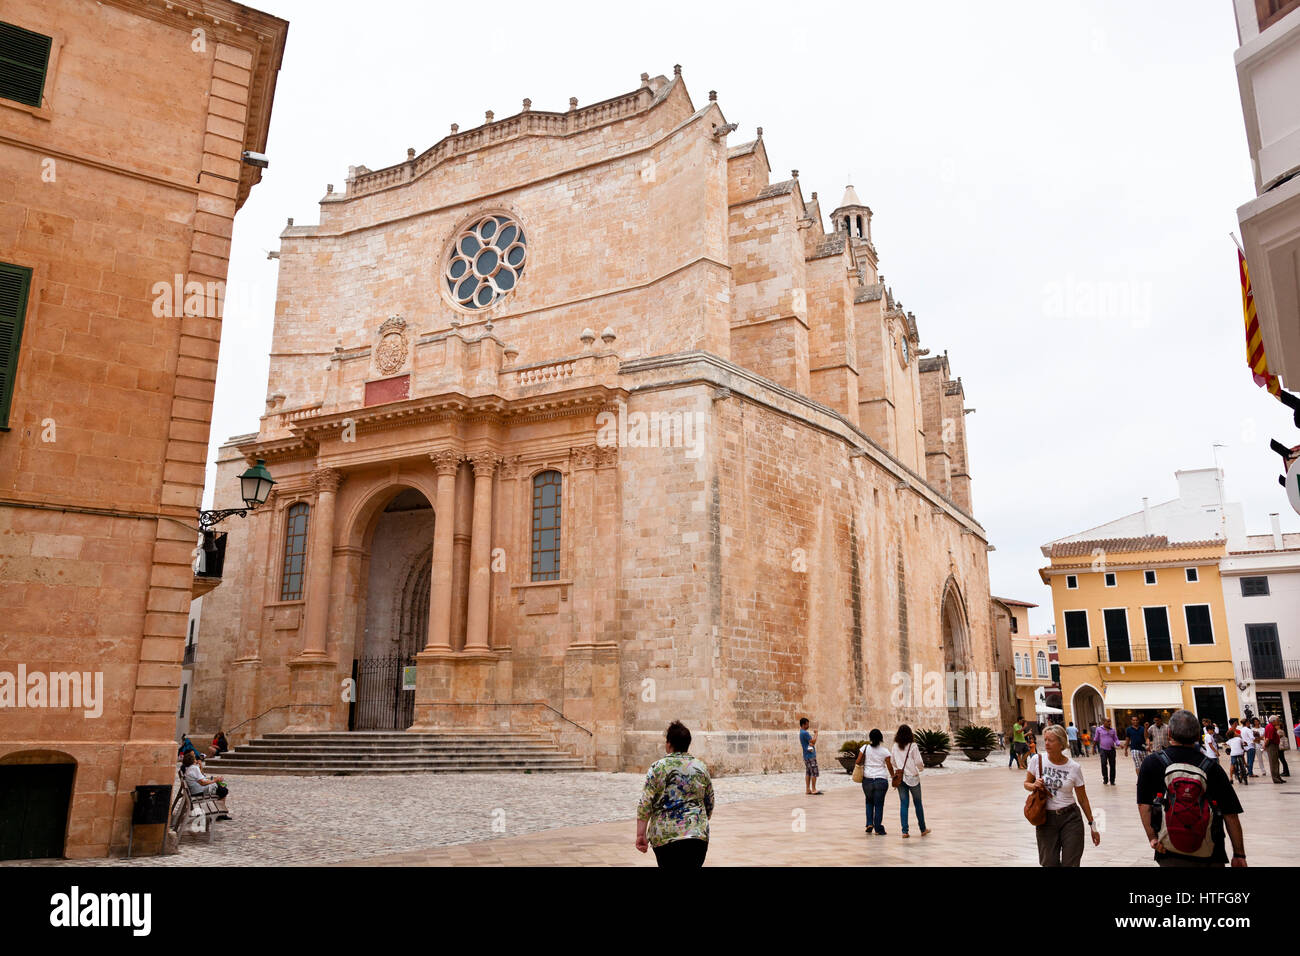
1270 670
1140 655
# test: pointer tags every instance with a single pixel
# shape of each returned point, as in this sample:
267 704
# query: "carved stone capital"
326 479
511 466
484 462
606 456
445 461
584 456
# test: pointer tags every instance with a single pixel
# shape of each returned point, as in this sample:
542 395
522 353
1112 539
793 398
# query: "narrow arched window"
1042 664
295 552
1017 665
546 526
861 234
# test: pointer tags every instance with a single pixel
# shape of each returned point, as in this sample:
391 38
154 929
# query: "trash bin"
152 801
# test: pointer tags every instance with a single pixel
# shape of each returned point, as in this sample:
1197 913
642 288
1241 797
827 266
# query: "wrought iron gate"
381 702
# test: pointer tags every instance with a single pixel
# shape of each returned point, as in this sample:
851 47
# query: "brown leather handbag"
1036 802
897 780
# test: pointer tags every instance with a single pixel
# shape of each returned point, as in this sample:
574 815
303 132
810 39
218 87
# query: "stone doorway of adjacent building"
35 796
398 589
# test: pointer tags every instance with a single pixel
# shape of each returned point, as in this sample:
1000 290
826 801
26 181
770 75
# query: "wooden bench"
191 814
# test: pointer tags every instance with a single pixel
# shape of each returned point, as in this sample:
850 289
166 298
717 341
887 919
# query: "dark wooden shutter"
24 58
15 282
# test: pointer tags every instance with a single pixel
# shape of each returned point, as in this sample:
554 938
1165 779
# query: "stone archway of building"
1086 706
395 621
957 656
35 798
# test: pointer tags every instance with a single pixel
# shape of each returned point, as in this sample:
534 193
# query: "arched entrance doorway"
1086 707
396 624
960 678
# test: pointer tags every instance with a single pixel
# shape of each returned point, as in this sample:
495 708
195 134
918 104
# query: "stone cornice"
310 431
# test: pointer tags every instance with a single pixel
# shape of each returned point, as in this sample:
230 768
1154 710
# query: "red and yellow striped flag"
1255 356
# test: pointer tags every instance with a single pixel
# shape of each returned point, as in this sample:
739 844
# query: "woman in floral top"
673 814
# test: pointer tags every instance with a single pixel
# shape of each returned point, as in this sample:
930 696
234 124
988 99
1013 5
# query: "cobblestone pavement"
312 820
585 819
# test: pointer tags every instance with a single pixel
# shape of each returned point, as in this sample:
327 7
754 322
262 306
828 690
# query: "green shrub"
933 741
976 738
851 746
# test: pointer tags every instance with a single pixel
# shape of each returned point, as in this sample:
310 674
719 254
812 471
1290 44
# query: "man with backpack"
1186 802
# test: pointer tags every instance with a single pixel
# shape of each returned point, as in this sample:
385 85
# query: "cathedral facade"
581 424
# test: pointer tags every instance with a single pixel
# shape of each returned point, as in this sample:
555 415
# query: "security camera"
256 159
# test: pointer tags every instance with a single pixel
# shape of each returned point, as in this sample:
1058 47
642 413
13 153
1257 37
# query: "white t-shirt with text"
1061 779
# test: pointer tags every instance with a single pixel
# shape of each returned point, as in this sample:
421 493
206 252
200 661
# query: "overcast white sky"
1053 186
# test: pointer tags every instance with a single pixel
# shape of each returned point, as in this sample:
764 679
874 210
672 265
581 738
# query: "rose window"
486 262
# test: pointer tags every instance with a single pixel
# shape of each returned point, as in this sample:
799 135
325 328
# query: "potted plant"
976 742
848 755
934 746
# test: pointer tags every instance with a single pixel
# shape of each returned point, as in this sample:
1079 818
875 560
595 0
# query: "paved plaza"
498 819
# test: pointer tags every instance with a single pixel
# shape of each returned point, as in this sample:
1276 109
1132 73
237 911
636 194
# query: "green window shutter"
15 281
24 57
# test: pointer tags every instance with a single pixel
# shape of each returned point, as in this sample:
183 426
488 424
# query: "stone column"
480 559
444 524
321 533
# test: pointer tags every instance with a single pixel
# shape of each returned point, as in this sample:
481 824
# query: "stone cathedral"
580 424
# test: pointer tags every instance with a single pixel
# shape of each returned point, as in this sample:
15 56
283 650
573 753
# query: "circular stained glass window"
486 260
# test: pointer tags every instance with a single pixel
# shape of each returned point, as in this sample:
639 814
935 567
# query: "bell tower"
853 218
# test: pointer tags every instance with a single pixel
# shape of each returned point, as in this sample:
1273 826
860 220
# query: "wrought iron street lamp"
254 487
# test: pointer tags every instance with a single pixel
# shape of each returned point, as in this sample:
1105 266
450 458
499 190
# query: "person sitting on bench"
201 786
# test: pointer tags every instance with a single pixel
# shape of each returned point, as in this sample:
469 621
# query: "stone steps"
366 752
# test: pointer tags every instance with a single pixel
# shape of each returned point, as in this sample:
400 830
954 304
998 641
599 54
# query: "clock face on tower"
905 352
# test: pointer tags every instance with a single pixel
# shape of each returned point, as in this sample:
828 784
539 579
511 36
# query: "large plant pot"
932 760
847 761
976 753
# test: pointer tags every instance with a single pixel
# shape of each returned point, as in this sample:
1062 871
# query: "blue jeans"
906 795
1250 761
874 790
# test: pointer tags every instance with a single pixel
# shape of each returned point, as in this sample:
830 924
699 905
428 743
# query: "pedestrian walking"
672 817
1019 745
1060 836
877 769
1248 741
1186 801
1209 746
1237 757
1072 732
1086 740
1272 741
808 747
905 765
1107 740
1135 743
1157 735
1283 745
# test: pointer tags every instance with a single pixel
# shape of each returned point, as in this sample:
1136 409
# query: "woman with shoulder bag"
905 760
873 759
1055 783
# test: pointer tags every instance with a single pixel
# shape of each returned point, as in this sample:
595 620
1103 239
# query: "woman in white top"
906 756
1060 838
877 768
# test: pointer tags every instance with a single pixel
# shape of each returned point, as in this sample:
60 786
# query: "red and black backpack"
1187 813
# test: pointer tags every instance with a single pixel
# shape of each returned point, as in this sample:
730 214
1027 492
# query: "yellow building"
1141 628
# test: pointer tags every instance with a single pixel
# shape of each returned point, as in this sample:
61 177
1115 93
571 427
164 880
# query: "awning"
1144 695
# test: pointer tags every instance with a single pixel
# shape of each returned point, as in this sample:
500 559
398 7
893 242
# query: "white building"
1261 590
1268 73
1199 513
